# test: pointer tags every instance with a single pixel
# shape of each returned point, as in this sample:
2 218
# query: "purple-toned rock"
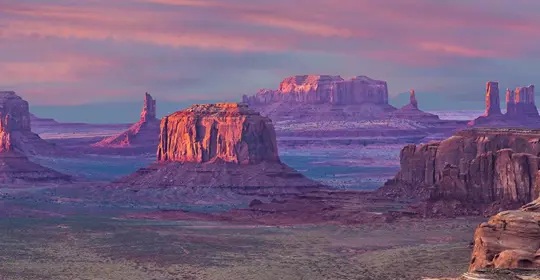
412 112
224 145
149 110
144 133
493 105
15 129
521 110
323 89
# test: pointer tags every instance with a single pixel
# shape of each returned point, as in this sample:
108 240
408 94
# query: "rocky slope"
224 145
474 169
509 240
521 110
143 133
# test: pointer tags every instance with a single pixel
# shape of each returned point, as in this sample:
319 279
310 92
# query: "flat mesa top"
218 108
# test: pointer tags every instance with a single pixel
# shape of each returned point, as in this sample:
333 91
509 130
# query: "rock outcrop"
521 110
509 240
493 104
15 130
224 145
411 111
227 132
477 167
144 133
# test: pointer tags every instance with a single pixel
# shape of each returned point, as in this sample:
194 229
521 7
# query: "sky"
72 52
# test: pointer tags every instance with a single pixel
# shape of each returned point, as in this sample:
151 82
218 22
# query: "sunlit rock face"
223 146
509 240
227 132
323 89
145 132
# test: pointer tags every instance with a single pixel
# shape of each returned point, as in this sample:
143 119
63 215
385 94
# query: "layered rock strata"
143 133
509 240
476 167
223 145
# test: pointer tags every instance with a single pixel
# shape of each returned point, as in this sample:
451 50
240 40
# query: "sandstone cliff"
509 240
225 132
477 167
224 145
144 133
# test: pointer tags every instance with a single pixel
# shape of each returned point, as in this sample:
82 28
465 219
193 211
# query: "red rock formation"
227 132
412 99
493 105
149 110
510 239
15 129
319 89
477 167
521 110
224 145
144 133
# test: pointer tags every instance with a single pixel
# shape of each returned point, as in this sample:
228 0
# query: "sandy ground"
86 247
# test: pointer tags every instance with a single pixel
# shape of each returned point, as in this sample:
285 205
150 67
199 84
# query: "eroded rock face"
144 133
15 130
149 110
493 105
478 167
509 240
228 132
412 112
224 146
323 89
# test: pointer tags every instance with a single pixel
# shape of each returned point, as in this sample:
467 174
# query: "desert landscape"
269 140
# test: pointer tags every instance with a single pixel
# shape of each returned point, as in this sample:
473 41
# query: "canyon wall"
228 132
477 166
323 89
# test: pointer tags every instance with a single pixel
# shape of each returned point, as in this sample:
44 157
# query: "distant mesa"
143 133
225 145
327 98
521 110
323 97
320 89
